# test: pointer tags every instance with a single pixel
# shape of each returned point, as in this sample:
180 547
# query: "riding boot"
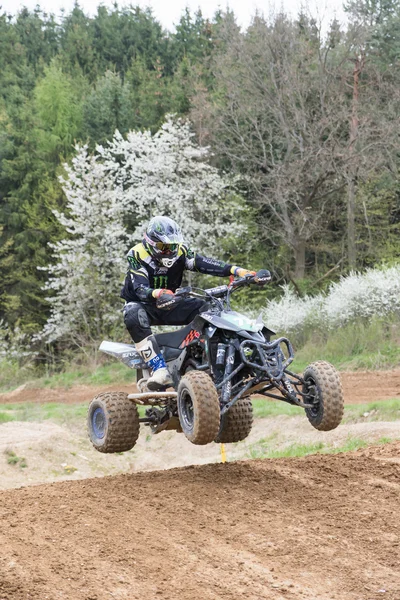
150 352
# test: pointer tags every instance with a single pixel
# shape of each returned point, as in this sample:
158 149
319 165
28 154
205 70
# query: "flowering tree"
89 260
168 174
142 175
357 296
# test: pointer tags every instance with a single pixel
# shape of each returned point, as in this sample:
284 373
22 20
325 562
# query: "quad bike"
217 363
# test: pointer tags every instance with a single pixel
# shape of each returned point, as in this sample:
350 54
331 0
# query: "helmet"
162 239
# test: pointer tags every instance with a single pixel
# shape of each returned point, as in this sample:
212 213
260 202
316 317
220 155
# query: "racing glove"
239 272
165 299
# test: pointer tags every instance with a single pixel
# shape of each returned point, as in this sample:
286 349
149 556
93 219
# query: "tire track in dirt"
319 528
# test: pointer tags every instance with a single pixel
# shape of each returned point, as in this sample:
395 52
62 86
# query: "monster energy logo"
161 281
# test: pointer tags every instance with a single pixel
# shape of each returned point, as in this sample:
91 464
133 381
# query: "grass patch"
51 411
264 409
13 459
11 376
106 374
386 410
262 449
5 416
29 411
372 344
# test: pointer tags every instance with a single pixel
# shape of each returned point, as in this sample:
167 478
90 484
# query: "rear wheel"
236 424
113 422
324 390
198 407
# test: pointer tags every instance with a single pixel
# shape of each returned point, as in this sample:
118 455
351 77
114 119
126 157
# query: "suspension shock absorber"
220 362
229 362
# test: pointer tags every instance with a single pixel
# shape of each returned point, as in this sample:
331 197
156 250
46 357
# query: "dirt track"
325 527
319 528
359 387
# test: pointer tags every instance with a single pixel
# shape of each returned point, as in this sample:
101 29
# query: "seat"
173 339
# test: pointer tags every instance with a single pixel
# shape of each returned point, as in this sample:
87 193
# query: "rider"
156 267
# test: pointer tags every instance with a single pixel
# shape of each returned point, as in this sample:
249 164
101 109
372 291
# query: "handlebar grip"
262 277
183 291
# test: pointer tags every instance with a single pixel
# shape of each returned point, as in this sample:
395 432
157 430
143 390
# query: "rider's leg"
137 322
183 313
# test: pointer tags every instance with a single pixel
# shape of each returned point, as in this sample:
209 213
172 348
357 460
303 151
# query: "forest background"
304 123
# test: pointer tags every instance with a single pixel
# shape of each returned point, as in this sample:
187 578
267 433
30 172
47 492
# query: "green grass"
264 409
96 374
5 416
29 411
262 449
106 374
374 345
386 410
13 459
51 411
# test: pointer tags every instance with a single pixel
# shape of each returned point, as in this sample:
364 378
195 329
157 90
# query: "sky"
168 11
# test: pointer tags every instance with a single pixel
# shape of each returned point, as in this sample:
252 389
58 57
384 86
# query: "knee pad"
135 316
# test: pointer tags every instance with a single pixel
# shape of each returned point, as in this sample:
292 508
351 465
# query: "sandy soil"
325 527
318 528
359 387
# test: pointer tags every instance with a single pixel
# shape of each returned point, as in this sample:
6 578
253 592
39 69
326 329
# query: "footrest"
151 397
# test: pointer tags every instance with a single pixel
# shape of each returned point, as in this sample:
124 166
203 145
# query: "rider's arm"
140 284
203 264
139 278
210 266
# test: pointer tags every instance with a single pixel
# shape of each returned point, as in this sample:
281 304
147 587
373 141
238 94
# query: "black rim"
187 410
313 396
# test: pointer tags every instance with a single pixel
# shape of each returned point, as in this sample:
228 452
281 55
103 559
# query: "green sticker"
161 282
134 263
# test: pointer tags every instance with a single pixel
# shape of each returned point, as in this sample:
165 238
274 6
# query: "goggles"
163 247
166 248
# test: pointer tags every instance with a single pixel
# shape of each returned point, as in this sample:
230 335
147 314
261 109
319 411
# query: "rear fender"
125 353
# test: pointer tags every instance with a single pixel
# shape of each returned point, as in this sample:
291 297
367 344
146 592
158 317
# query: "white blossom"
359 295
85 276
140 176
168 174
14 344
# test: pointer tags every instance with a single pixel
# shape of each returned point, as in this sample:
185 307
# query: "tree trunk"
351 233
359 63
300 259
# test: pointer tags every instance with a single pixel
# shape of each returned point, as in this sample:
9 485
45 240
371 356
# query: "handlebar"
261 278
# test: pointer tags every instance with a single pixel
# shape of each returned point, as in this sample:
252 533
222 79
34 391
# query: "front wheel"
323 389
198 407
113 422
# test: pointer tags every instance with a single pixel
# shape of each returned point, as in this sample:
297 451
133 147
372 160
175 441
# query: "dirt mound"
318 528
51 452
359 387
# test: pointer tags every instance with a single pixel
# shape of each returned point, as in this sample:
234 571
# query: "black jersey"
145 274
